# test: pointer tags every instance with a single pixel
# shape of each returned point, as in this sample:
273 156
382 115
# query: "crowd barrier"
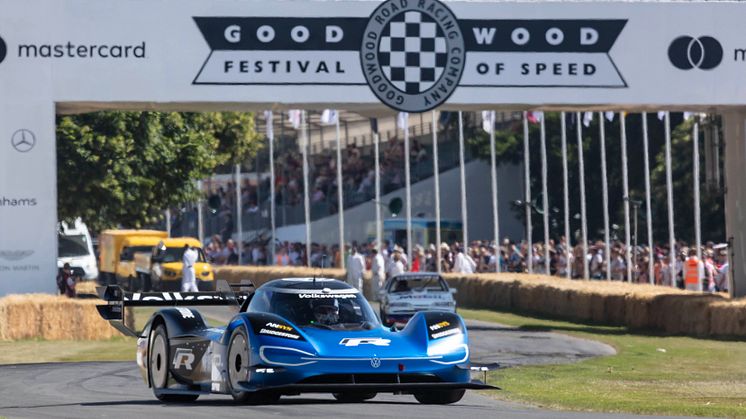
637 306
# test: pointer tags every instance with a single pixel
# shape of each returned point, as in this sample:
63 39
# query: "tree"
125 168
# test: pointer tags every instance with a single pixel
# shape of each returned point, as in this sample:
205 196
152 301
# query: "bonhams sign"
413 54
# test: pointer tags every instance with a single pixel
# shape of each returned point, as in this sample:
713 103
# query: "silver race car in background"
406 294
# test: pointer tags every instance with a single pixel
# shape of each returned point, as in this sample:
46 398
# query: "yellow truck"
116 254
162 269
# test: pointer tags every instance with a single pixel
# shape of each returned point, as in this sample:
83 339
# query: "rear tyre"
158 360
440 396
353 396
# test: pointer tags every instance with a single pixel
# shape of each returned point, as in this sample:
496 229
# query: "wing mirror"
453 291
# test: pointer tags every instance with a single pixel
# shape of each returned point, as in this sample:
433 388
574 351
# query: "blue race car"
293 336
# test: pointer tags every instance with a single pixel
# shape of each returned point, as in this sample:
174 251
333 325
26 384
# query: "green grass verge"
660 375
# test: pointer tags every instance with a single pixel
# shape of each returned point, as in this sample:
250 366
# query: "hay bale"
728 318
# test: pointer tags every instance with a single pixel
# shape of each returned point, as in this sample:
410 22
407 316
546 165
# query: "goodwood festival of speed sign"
411 54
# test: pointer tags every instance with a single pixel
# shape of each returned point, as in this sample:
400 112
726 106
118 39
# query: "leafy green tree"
125 168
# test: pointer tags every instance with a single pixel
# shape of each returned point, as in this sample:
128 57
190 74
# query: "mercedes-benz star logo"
23 140
375 362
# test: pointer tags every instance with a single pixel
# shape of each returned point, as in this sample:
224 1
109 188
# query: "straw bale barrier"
637 306
43 316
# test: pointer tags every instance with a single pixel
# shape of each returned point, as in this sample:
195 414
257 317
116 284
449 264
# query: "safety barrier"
637 306
42 316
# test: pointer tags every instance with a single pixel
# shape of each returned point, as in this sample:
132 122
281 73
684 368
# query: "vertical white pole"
605 193
340 197
493 173
200 221
377 171
545 193
272 221
583 219
168 222
408 187
697 215
669 197
306 200
436 174
648 202
239 218
527 203
625 187
566 195
462 172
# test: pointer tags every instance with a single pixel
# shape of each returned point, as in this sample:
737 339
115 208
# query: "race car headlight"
444 304
399 305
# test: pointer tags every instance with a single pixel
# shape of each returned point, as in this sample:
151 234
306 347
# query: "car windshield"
336 311
417 283
72 246
176 254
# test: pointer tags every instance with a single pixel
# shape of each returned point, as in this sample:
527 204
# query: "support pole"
625 187
527 203
493 174
306 200
340 196
583 215
566 195
462 172
167 214
697 212
545 194
408 187
669 198
734 129
436 175
239 218
605 193
272 193
377 171
200 220
648 202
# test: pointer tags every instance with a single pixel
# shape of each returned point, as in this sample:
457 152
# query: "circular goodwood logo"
413 54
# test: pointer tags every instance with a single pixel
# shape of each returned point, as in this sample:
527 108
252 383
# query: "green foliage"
509 149
125 168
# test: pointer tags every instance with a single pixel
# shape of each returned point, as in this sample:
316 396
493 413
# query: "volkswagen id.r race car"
294 336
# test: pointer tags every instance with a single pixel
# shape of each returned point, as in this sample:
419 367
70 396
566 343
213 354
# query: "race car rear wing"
117 299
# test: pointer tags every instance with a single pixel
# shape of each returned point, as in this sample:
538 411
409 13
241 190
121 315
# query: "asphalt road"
115 389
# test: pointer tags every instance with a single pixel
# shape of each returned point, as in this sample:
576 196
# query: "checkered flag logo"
412 52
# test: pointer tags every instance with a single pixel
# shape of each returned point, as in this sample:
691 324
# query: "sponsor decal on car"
272 326
364 341
348 296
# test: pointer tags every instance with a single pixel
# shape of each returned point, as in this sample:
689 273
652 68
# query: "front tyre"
158 360
238 371
440 396
354 396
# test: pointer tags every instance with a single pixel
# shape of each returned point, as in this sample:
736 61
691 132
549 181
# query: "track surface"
115 389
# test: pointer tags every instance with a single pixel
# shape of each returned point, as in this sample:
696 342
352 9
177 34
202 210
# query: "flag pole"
544 192
462 172
605 193
239 216
669 198
697 214
408 184
493 173
273 226
583 220
340 195
436 175
377 171
566 196
306 200
625 187
527 203
648 209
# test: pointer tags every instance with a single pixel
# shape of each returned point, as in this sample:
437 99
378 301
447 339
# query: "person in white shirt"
379 272
396 266
355 269
464 263
188 274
